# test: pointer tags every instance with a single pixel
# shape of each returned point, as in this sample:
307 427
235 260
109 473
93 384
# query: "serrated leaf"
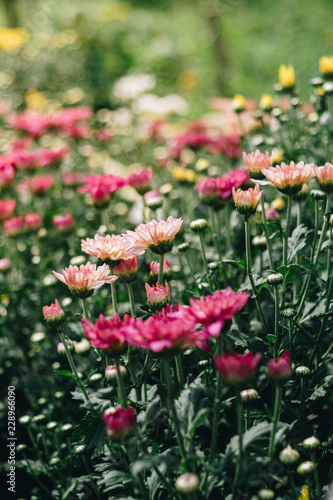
292 272
271 338
297 241
240 264
320 390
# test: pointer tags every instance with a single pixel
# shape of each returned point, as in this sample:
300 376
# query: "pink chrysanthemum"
63 223
54 314
84 280
7 208
127 270
246 202
110 248
141 180
155 236
325 177
155 266
214 310
33 221
237 370
119 421
255 162
165 331
13 226
106 334
158 296
289 179
279 369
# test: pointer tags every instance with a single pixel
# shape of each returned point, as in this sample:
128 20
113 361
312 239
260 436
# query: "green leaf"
189 406
297 241
292 272
65 373
271 338
320 390
240 264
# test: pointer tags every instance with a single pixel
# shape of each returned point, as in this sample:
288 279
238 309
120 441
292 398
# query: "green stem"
276 322
131 299
239 409
292 484
204 258
301 410
286 232
179 368
85 310
316 256
276 415
120 383
315 473
160 268
215 233
249 272
315 231
92 482
216 418
171 402
73 367
114 297
266 231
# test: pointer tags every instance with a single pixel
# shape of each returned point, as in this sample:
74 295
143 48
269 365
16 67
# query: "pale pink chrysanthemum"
155 236
84 280
289 179
246 202
110 248
158 296
325 177
127 270
214 310
256 161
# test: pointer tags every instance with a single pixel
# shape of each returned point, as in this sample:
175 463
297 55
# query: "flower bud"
82 346
302 194
153 199
155 266
166 189
275 279
201 165
199 225
96 377
318 195
61 348
278 203
66 428
51 425
119 421
53 314
25 419
111 372
328 88
126 270
183 247
303 371
279 369
266 102
5 264
287 77
248 396
288 313
38 419
289 456
259 241
305 468
266 494
238 103
158 296
214 266
311 443
63 223
78 450
187 483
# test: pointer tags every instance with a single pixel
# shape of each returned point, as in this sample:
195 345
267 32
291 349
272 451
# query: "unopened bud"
66 428
201 165
275 279
259 241
183 247
328 88
311 443
303 371
289 456
187 483
111 372
266 494
249 395
199 225
318 195
96 377
214 266
305 468
288 313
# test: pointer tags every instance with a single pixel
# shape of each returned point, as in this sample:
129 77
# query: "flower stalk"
276 415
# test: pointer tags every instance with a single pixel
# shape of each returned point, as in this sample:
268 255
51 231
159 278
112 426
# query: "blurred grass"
174 41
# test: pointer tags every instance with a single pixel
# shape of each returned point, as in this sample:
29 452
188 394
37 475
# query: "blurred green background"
197 48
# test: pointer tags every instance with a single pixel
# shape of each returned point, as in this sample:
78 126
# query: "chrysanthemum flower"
141 180
325 177
326 66
119 421
289 179
13 226
279 369
246 202
84 280
63 223
166 331
7 175
155 236
158 296
256 161
127 270
110 249
54 314
155 266
33 221
237 370
106 334
214 310
286 76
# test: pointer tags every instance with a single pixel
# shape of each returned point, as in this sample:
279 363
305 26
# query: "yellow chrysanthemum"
326 65
185 175
238 103
36 100
287 76
266 102
305 495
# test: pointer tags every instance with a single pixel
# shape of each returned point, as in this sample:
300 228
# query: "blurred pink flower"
289 179
84 280
103 135
7 175
105 334
33 221
13 226
155 236
5 264
72 178
325 177
63 223
7 208
141 180
214 310
101 187
127 270
279 369
155 266
119 421
38 184
271 214
237 370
